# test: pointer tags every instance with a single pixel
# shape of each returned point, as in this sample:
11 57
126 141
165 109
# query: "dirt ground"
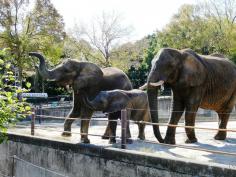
205 141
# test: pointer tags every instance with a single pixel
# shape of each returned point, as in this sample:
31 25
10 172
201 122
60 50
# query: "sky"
144 16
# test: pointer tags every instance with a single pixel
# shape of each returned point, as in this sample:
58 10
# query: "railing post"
40 112
32 121
123 128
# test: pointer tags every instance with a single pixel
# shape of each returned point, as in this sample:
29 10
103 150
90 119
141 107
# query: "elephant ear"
90 75
194 69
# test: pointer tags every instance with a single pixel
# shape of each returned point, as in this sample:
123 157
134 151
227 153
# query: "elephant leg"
111 116
223 120
224 117
190 115
112 126
178 109
106 135
75 113
84 130
141 134
68 122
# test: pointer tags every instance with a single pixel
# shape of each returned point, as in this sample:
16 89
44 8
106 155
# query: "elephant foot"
169 141
85 141
112 141
105 137
66 134
220 136
189 141
141 137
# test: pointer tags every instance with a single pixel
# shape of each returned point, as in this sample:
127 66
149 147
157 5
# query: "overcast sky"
145 16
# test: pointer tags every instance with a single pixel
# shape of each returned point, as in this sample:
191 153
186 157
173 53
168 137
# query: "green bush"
12 106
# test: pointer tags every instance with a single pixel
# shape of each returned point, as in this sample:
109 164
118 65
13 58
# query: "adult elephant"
88 78
206 81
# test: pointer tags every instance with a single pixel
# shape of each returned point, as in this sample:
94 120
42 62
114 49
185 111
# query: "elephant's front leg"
190 115
178 108
141 134
75 113
107 133
112 124
84 129
68 122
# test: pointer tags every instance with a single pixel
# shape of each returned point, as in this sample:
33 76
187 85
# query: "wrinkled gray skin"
197 81
88 78
135 101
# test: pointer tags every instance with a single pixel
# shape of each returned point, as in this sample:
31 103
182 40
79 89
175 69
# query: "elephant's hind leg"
223 120
223 115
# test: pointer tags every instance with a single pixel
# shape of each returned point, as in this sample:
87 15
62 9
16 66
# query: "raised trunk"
152 99
44 72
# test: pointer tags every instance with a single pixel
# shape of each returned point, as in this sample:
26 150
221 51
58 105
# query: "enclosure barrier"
124 123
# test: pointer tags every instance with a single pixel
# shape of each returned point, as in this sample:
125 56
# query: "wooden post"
33 121
123 128
40 112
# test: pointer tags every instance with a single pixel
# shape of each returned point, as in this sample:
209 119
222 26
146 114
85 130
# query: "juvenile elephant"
88 78
135 101
206 81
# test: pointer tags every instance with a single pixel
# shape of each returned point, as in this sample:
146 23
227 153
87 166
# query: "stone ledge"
180 166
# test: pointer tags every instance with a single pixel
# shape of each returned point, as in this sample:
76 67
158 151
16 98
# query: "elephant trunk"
44 72
152 99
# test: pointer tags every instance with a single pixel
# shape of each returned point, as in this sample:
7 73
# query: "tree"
206 27
80 49
105 32
11 106
129 54
138 75
22 31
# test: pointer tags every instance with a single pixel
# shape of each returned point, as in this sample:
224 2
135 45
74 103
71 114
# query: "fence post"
33 121
123 128
40 112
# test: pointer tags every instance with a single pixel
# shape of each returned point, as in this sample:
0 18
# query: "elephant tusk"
143 87
68 88
156 84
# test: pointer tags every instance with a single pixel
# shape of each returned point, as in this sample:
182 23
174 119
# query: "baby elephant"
135 101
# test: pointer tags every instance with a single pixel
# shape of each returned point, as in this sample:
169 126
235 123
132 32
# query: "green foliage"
154 46
11 106
129 54
41 29
206 28
138 75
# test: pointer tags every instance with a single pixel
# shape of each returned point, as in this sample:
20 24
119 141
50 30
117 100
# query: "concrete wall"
80 160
